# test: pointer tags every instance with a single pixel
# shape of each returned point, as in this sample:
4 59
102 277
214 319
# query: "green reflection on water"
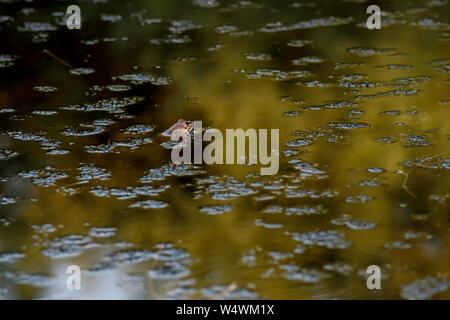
221 65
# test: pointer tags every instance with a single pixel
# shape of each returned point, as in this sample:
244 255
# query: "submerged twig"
406 174
404 186
57 58
76 183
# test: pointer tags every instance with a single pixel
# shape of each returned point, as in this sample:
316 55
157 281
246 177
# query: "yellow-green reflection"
253 246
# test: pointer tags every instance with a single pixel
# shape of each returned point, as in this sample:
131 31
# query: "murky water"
86 176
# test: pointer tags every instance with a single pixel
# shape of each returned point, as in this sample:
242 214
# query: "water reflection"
86 176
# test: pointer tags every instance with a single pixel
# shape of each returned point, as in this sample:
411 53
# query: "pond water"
86 177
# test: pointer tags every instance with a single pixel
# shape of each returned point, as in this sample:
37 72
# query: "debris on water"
32 279
258 56
149 204
307 24
113 105
68 246
299 143
268 225
348 125
11 257
340 268
228 293
306 275
122 258
299 43
45 112
425 288
6 154
397 245
87 176
416 140
91 172
102 232
360 198
44 177
331 239
306 210
139 129
116 146
354 224
140 78
216 209
36 27
169 270
81 71
366 52
205 3
45 88
7 60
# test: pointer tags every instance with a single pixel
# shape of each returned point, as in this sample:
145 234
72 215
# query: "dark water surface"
86 177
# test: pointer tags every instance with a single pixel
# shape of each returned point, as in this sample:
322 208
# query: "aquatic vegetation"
86 175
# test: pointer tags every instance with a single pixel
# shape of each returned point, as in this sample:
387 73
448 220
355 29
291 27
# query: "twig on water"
406 174
404 186
233 286
76 183
51 54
